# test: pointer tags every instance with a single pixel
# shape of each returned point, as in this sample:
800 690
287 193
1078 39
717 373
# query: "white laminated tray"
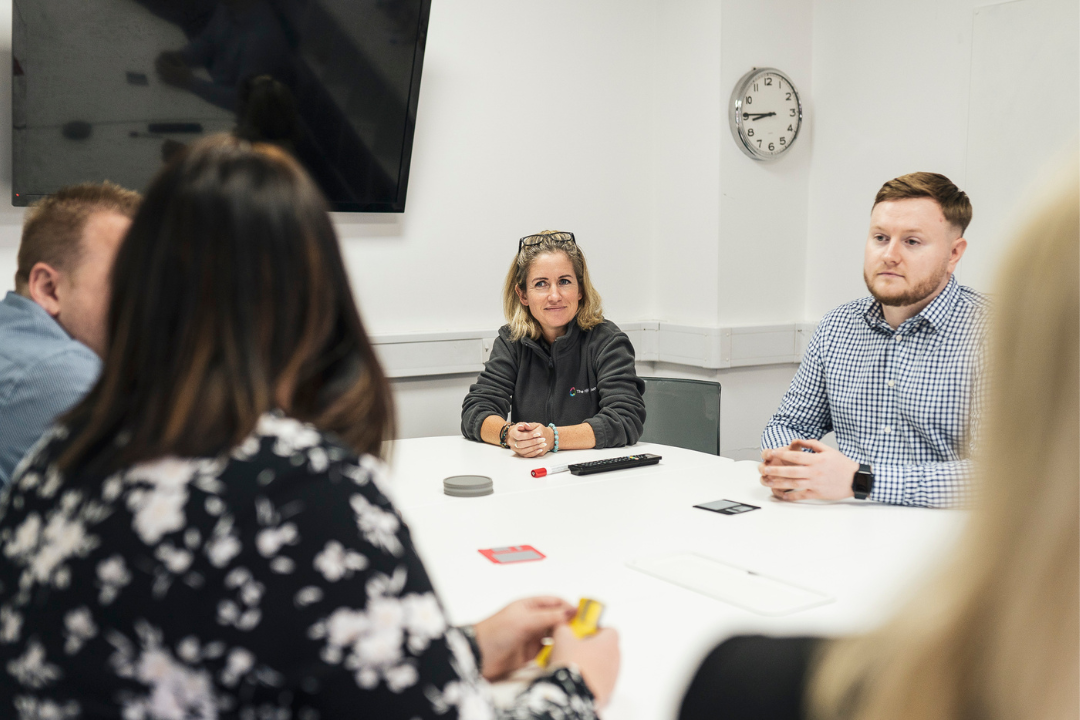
734 585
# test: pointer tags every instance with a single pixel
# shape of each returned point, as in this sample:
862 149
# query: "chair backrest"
683 413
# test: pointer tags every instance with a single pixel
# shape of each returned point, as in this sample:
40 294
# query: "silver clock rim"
735 123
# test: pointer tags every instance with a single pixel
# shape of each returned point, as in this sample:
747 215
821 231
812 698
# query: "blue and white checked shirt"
43 372
904 401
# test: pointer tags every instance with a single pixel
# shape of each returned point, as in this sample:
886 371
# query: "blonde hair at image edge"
590 310
996 636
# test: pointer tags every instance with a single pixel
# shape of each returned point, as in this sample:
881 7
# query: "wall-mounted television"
110 89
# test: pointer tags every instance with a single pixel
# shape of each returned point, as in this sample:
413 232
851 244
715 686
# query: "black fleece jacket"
584 376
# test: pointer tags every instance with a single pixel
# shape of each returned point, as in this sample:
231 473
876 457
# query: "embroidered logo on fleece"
582 391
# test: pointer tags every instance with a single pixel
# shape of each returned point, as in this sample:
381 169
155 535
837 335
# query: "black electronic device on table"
619 463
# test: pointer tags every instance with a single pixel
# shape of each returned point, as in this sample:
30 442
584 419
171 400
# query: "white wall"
608 118
531 116
892 86
763 204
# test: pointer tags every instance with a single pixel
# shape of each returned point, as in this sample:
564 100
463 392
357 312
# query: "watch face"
765 113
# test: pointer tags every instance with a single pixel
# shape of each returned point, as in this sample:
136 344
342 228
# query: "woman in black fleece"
563 373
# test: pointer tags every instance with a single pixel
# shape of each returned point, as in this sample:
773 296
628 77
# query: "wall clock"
765 113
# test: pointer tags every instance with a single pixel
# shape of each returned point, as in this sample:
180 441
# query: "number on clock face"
769 116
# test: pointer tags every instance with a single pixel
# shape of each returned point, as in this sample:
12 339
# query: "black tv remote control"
619 463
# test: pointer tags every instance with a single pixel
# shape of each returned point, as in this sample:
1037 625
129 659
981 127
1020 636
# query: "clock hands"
756 116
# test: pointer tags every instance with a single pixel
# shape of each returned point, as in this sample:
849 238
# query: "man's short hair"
52 230
954 202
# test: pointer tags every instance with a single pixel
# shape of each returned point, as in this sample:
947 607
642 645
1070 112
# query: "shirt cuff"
598 432
469 631
569 680
778 437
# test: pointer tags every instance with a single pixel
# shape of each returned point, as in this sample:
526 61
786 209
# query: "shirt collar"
39 317
935 315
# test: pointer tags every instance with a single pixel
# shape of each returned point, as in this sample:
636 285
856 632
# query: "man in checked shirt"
897 375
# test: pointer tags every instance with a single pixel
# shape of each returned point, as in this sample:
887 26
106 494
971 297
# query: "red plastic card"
514 554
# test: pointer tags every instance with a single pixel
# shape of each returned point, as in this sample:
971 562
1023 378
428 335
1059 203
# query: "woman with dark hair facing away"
996 635
563 374
204 535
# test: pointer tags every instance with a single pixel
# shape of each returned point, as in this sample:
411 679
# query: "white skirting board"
447 353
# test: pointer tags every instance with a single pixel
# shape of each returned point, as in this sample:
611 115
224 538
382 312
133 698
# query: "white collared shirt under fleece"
904 401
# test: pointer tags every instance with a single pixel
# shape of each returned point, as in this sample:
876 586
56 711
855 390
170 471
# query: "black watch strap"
863 482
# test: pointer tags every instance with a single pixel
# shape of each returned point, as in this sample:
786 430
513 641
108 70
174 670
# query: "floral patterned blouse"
275 583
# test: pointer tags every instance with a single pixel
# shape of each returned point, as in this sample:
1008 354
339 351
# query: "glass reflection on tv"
112 89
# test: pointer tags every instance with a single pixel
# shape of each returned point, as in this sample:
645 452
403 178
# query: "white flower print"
25 538
290 436
169 472
282 565
318 460
158 501
308 596
31 668
247 449
335 562
112 575
242 613
214 506
188 649
31 708
462 653
111 488
53 481
379 527
176 560
43 547
372 642
424 620
543 695
401 677
10 625
234 534
61 538
157 512
470 701
271 540
237 664
176 691
78 628
28 482
223 545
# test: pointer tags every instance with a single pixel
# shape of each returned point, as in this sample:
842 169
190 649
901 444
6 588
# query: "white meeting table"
867 556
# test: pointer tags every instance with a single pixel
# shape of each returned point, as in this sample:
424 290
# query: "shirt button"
886 429
890 383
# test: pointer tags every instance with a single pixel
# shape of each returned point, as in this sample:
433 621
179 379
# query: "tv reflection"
326 80
242 39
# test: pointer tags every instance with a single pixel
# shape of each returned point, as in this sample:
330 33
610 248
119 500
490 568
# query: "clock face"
765 113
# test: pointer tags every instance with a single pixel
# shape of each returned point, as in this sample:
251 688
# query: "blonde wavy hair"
995 636
590 312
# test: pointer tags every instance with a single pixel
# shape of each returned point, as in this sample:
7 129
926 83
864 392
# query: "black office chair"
683 413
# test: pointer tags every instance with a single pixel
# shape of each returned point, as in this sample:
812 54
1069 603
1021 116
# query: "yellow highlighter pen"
583 624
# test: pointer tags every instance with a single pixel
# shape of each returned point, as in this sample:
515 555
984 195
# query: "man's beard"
912 296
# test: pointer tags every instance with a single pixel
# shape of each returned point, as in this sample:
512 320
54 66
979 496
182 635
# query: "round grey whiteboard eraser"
468 485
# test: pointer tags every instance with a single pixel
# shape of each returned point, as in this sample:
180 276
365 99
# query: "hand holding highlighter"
584 623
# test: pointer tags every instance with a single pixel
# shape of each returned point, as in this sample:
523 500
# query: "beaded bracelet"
556 431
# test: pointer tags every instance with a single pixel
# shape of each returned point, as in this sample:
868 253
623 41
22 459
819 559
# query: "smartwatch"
863 483
502 434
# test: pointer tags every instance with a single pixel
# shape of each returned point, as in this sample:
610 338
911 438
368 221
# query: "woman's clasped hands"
530 440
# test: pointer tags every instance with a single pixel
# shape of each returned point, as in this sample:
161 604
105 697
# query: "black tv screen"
110 89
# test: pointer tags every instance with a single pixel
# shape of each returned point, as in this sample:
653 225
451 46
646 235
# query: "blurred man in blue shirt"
53 327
